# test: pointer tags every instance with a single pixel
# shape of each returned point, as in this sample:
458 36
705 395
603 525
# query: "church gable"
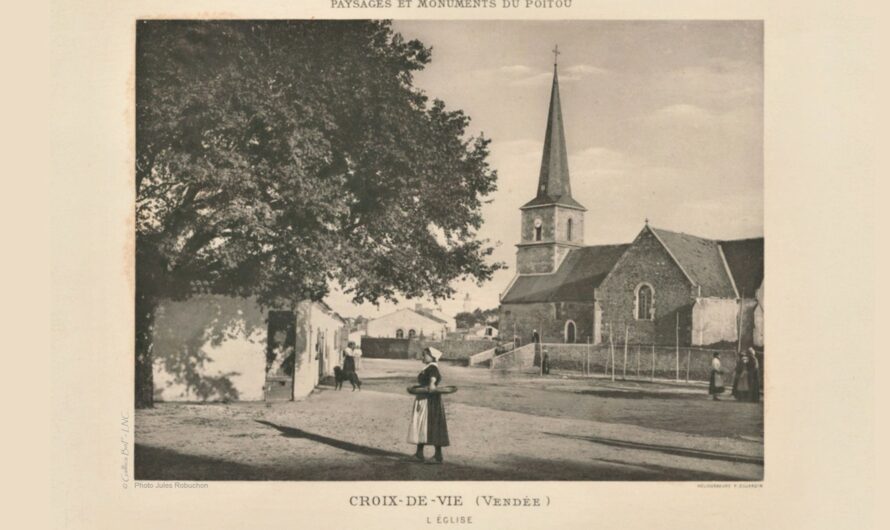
646 260
646 291
701 260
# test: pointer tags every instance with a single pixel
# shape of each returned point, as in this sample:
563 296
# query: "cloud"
682 114
718 83
718 131
569 74
516 69
604 158
523 75
581 70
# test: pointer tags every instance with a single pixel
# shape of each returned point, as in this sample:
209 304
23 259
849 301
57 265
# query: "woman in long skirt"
741 383
428 425
753 376
716 385
349 355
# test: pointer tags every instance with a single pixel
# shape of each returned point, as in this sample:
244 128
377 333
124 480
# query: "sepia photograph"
449 250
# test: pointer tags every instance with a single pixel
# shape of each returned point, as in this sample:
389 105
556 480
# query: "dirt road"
502 428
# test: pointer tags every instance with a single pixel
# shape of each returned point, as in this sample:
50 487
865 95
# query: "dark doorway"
281 338
570 332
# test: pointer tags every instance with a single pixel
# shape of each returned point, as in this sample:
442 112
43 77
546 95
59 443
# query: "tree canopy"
468 319
275 157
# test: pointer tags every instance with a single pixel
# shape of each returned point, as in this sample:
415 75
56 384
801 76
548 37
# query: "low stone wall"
519 359
642 361
482 357
452 350
388 348
458 349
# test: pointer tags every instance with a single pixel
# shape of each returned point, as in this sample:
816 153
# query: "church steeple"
554 186
552 222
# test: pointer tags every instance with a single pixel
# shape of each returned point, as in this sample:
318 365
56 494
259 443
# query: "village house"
481 332
211 347
664 287
409 324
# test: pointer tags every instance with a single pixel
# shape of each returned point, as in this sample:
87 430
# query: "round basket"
422 390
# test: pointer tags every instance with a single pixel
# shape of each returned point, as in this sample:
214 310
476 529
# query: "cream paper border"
821 105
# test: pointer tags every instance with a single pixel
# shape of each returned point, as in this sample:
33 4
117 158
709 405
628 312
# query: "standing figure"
428 425
349 355
545 362
536 340
754 375
743 382
716 384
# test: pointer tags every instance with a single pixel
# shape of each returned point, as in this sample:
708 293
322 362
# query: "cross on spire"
554 187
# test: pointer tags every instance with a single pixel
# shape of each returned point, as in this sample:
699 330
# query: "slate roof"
580 273
584 269
745 260
554 186
701 260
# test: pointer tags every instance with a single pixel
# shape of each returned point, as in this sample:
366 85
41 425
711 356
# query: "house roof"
744 257
429 314
580 273
327 309
421 313
700 259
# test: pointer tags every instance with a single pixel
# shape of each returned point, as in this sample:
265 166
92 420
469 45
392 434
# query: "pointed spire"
554 186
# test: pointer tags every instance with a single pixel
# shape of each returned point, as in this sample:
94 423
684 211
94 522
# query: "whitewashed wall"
209 347
214 348
758 318
406 319
319 336
714 320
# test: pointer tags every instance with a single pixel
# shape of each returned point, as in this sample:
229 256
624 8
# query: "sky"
663 120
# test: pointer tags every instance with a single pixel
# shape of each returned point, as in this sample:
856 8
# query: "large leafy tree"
276 157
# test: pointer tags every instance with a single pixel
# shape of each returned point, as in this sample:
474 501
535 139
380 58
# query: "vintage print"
449 250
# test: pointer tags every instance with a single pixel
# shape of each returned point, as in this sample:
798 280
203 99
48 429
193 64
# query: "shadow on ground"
667 449
362 462
291 432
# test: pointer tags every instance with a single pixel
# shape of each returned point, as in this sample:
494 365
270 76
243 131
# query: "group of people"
745 379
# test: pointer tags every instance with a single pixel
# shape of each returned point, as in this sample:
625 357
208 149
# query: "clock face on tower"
538 222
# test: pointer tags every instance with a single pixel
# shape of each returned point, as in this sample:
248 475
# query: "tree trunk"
145 315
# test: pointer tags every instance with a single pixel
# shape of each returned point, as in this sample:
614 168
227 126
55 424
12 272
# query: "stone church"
661 288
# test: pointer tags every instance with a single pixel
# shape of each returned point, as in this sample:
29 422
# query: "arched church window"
411 333
570 332
645 302
569 230
400 334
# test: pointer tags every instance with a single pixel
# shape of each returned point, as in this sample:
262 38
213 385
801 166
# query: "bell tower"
552 222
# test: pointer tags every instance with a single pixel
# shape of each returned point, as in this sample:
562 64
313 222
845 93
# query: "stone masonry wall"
549 318
646 261
534 259
562 225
